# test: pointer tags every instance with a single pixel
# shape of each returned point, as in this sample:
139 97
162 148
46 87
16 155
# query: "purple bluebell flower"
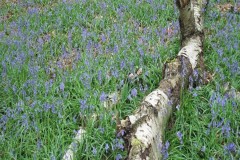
190 83
122 65
170 102
117 144
25 121
194 94
83 104
53 108
46 106
220 52
115 49
103 6
164 149
84 34
223 101
33 104
115 73
121 133
118 157
39 144
220 123
234 67
226 129
134 92
33 11
103 38
230 147
103 97
141 52
94 151
180 135
61 86
106 147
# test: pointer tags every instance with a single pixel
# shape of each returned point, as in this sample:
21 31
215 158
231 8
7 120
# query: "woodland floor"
60 60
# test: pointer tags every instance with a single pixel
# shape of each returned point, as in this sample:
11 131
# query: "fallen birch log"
72 148
144 129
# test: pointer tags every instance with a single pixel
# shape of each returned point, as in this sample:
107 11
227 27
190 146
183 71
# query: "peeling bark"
144 129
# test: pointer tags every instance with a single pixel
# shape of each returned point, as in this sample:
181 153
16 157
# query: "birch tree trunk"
144 130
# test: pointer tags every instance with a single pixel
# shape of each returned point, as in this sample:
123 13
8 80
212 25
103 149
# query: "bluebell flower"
194 94
39 144
118 144
33 11
94 151
103 38
121 133
226 129
103 97
134 92
180 135
106 147
83 104
62 86
140 51
115 49
46 106
122 64
230 147
115 73
164 150
118 157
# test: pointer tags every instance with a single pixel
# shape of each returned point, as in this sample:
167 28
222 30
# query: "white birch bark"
72 148
146 126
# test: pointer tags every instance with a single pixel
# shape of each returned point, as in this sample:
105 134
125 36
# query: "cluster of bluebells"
116 146
221 106
220 115
223 102
230 148
40 93
164 150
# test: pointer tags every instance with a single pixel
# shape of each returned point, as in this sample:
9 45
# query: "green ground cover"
60 60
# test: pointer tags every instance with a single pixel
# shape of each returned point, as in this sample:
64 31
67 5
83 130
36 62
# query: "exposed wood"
70 153
145 128
72 148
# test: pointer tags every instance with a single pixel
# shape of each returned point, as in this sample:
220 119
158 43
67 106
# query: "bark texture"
72 148
144 130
